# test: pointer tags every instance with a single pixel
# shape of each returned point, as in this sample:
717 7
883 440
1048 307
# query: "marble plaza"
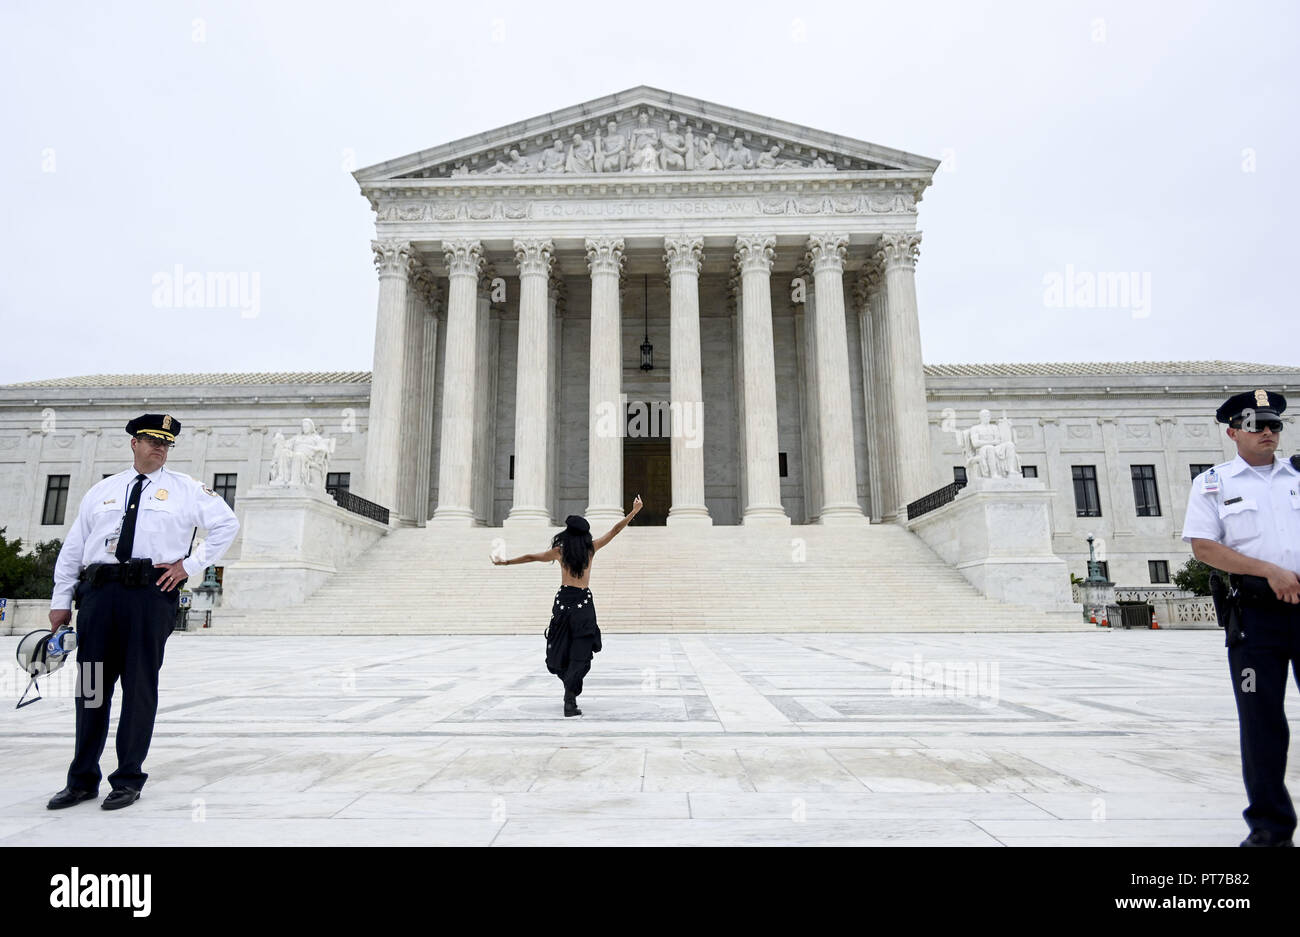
1086 739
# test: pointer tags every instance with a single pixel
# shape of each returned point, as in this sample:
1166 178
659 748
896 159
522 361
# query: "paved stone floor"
1124 738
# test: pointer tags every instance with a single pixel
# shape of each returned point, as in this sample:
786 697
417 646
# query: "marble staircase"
868 578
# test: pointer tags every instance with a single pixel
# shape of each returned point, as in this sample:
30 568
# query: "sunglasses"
155 442
1261 425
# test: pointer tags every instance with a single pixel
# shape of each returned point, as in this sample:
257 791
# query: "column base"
597 516
528 517
841 514
453 517
689 516
765 516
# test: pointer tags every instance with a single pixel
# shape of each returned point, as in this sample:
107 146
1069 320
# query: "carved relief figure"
582 156
673 152
706 157
611 155
552 160
738 157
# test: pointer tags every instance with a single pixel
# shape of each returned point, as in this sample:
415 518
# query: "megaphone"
41 653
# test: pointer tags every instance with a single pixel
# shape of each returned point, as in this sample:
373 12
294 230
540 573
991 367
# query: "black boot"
571 706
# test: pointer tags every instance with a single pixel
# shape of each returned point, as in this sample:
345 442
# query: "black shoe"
571 707
69 796
1265 838
121 797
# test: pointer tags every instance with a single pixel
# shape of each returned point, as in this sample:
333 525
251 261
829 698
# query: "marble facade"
511 262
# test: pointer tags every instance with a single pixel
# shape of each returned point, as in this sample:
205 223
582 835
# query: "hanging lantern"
647 350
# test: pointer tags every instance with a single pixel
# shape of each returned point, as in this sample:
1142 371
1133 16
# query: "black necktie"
127 539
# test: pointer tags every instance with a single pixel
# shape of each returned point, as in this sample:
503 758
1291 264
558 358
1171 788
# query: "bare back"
566 575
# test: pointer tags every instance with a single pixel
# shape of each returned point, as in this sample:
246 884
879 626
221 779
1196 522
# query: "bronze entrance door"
648 472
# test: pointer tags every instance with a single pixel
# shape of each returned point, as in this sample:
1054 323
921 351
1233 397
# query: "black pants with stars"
121 629
574 628
1259 664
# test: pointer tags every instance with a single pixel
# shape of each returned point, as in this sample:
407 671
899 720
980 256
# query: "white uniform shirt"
1263 519
171 506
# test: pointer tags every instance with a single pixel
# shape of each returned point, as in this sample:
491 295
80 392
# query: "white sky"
1107 136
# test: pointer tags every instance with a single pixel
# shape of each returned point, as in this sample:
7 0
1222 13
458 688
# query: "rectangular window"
1159 570
959 474
1145 495
338 481
512 468
1198 467
783 468
1087 501
1029 471
224 485
56 499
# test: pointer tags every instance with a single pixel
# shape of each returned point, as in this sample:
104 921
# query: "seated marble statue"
302 461
516 164
990 449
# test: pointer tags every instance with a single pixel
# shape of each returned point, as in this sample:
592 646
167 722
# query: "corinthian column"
826 254
607 414
394 260
532 384
763 480
905 394
683 256
456 451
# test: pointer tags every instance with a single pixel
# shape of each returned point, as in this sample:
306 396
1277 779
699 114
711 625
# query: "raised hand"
636 504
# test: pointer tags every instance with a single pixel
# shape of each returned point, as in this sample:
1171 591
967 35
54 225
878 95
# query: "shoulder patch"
207 490
1210 481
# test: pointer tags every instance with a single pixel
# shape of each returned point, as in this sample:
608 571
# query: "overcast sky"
1154 140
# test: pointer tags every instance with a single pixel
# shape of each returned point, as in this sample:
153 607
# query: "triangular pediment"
653 132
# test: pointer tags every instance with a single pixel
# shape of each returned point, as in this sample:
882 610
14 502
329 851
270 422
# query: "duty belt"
1255 591
136 572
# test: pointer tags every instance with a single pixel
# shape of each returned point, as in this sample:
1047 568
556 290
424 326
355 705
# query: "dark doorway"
648 472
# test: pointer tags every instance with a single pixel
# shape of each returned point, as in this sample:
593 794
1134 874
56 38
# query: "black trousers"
577 634
1259 665
122 630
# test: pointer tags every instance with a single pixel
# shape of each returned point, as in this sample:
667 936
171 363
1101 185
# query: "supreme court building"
647 293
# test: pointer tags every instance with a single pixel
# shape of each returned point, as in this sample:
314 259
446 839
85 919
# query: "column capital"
865 287
605 255
827 252
898 250
464 258
426 287
534 256
755 252
393 258
684 254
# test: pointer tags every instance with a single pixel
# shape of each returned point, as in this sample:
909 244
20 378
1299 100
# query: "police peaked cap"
157 425
1266 404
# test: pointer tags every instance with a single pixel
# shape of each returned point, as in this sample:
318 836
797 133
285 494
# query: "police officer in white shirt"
1243 517
126 557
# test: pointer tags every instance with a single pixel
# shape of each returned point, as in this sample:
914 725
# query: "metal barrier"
359 505
935 499
1129 616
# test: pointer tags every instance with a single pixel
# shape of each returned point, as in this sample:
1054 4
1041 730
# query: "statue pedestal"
294 539
1095 597
997 532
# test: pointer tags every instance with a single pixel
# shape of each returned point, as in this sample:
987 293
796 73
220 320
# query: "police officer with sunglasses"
1243 517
